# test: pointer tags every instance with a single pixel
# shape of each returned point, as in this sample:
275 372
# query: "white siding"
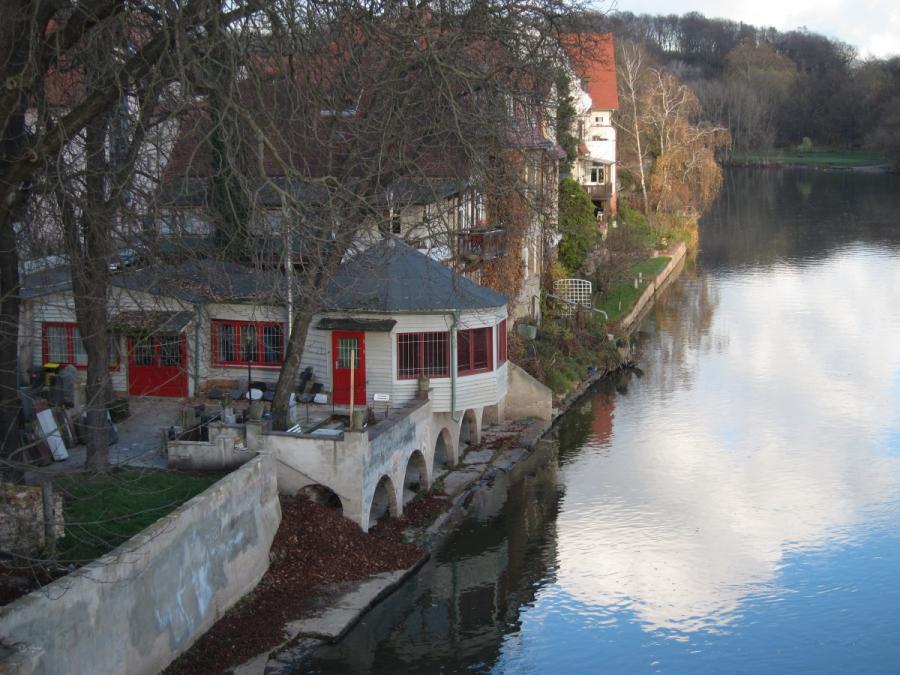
235 312
379 364
317 354
381 360
60 307
472 391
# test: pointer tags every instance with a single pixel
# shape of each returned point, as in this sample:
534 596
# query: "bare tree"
632 71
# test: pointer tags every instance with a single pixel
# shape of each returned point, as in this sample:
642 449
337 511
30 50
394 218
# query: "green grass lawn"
618 300
821 158
103 511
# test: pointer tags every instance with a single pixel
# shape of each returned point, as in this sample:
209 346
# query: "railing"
599 191
481 244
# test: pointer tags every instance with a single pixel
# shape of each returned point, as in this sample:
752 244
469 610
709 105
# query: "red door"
344 345
157 365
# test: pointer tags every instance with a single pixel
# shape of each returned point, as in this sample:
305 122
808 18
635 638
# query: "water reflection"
737 508
452 616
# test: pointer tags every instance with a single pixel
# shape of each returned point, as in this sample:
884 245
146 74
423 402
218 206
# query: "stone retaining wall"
677 255
136 609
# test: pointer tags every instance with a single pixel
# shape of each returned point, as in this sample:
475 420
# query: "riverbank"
675 263
324 578
503 453
821 160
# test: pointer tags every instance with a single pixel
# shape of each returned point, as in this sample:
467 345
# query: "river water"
735 509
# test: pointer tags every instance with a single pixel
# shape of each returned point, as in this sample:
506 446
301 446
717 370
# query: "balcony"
599 191
481 244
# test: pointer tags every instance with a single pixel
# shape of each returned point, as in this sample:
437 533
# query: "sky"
872 26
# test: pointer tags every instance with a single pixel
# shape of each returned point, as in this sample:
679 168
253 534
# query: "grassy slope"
102 512
619 299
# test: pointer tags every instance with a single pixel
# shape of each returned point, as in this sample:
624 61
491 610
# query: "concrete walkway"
140 439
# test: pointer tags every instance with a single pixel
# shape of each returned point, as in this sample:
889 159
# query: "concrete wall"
229 446
136 609
527 397
353 466
660 281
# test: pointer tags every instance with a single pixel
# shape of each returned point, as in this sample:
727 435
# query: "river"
734 507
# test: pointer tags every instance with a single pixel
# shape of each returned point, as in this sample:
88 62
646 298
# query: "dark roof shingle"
394 277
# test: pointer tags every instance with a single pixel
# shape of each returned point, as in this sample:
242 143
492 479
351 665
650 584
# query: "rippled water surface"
736 508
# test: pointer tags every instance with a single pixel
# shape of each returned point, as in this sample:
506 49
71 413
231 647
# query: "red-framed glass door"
348 348
157 365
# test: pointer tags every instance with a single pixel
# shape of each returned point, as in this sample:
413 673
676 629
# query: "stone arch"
384 501
445 454
468 430
416 477
321 494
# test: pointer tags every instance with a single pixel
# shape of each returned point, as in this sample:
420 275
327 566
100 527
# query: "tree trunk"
288 375
93 323
15 44
88 241
316 280
10 446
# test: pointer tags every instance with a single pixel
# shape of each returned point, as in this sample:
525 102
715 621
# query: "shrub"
577 225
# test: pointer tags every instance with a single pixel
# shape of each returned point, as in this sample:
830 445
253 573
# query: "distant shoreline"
885 168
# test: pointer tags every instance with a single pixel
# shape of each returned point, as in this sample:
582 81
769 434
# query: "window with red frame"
423 355
241 342
62 344
474 353
501 342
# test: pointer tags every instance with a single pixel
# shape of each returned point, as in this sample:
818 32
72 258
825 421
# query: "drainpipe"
453 362
197 350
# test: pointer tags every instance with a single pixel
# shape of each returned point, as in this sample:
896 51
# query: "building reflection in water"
453 614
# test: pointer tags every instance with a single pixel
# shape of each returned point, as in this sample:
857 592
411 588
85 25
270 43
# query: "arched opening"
323 495
468 431
383 501
442 450
415 478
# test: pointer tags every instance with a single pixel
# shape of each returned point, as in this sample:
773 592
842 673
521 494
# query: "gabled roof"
593 57
394 277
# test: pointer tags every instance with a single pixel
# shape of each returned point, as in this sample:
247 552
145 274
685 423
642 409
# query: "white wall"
381 360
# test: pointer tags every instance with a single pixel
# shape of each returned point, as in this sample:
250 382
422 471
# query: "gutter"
453 361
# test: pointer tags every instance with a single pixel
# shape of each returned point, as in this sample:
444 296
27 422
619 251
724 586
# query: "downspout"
197 350
453 365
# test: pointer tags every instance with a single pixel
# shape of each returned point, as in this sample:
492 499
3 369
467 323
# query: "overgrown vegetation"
566 352
103 511
771 89
577 225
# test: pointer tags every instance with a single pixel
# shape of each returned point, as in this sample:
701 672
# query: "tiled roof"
593 58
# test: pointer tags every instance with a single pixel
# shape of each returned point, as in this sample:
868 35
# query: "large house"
399 333
175 328
593 72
